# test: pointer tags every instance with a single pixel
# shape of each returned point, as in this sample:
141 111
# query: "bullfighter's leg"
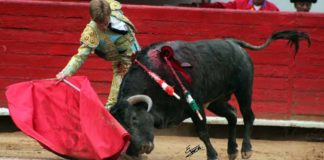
226 110
203 135
119 70
244 98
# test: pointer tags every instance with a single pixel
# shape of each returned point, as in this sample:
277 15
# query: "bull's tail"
292 36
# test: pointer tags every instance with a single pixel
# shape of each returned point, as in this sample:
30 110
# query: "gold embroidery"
89 37
77 60
114 5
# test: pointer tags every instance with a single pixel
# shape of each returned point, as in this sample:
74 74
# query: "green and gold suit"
117 47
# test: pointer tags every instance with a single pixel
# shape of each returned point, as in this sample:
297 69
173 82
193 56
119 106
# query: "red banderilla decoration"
166 87
167 53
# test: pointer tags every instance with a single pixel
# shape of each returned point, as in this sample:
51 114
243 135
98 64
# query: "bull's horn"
141 98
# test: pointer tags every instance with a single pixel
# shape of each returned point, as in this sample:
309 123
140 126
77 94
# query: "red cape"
66 121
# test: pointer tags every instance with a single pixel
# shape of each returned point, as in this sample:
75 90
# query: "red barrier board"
39 37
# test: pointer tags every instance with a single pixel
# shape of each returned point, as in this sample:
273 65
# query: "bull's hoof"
246 155
232 156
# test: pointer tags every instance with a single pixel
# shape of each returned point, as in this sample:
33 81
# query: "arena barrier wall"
37 38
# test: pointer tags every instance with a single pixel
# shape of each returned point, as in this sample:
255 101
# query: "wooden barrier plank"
271 107
271 83
205 15
310 60
49 61
308 110
309 85
277 71
266 58
310 20
39 37
44 8
314 72
42 23
11 47
311 99
270 95
265 107
41 73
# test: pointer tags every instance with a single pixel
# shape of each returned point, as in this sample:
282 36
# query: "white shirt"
257 7
118 24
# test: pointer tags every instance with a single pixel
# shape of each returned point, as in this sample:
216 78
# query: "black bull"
219 69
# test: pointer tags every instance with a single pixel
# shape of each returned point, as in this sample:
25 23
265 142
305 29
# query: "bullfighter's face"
303 6
103 25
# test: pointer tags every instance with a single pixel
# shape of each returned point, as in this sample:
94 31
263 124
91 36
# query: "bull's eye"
134 120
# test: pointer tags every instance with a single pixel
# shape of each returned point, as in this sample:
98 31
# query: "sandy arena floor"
17 146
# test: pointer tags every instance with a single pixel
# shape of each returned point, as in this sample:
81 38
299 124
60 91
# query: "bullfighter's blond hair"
99 10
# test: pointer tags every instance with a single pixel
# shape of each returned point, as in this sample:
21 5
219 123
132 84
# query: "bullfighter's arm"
89 41
77 60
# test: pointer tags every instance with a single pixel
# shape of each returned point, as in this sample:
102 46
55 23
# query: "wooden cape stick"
71 85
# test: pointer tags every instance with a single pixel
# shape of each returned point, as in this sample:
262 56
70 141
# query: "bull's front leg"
224 109
201 129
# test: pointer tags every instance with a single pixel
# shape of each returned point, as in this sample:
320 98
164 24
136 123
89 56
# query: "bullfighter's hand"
60 76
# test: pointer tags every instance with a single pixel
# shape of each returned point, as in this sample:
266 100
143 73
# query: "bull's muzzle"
147 148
